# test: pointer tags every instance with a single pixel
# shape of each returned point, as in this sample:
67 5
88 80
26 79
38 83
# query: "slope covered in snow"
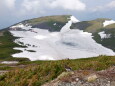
108 22
67 43
103 35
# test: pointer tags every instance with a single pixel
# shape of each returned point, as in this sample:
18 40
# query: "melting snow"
65 44
54 24
74 20
9 62
103 35
108 22
18 25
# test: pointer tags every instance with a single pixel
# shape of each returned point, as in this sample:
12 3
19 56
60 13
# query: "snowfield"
103 35
9 62
67 43
108 22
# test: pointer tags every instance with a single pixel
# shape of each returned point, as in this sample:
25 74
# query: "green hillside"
7 45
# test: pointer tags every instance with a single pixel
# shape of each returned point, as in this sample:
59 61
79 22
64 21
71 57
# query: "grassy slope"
48 22
39 72
107 42
90 26
47 19
7 45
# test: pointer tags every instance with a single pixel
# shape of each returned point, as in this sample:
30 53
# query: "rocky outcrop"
85 78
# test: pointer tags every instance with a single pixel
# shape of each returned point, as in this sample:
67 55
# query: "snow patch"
9 62
22 26
68 25
74 20
40 37
18 26
108 22
103 35
55 24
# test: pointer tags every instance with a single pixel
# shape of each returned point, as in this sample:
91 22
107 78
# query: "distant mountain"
58 37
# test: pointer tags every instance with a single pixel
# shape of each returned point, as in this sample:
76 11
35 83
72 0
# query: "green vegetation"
90 26
39 72
62 18
48 22
111 26
31 50
7 45
5 68
17 59
56 27
107 42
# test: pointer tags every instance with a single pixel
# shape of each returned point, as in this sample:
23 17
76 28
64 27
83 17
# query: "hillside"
34 52
46 38
97 26
51 23
37 73
41 43
7 39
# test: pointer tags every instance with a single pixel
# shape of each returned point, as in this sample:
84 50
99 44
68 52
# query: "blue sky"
13 11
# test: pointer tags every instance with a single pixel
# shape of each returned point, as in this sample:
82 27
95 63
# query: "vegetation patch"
31 50
7 45
39 72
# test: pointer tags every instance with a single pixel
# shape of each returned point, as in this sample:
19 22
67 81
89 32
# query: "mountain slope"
64 44
51 23
97 26
38 43
7 40
50 38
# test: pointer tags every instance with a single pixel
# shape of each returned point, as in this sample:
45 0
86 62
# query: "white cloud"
30 7
7 4
68 4
10 3
109 6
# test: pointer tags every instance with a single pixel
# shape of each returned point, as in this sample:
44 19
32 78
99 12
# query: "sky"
14 11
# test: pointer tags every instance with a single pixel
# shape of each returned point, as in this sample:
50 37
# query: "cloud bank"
13 11
105 7
37 6
75 5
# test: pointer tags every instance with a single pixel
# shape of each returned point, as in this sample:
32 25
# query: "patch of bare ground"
1 33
